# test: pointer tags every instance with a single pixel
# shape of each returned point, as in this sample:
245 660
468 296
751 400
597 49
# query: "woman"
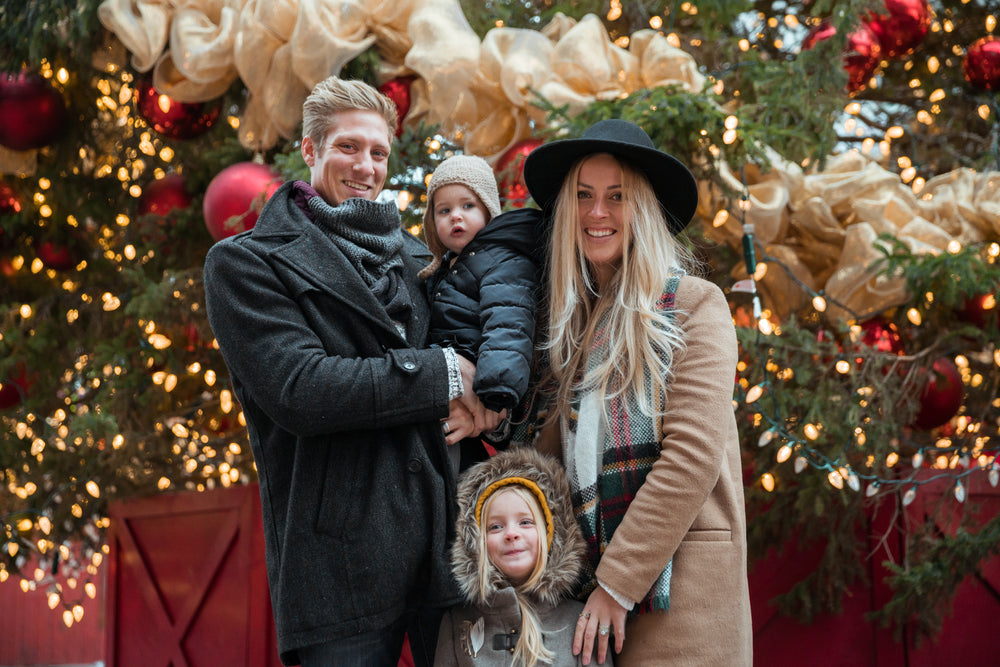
642 357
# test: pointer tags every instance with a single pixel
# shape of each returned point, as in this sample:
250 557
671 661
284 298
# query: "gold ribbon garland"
821 226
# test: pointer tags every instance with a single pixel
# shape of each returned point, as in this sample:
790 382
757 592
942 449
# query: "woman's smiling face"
600 206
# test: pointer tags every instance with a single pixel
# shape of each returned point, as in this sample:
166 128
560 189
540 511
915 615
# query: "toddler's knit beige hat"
468 170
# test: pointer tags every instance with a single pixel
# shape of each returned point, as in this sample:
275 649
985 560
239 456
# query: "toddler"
482 283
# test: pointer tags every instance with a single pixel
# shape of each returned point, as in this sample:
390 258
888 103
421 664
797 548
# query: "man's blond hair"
335 95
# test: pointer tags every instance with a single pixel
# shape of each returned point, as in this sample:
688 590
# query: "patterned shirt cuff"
455 385
617 597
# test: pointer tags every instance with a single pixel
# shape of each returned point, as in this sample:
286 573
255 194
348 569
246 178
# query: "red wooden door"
187 584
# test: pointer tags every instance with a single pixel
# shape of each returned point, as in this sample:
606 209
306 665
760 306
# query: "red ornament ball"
881 335
164 195
941 397
903 29
235 196
55 256
979 309
862 57
398 90
510 168
819 33
10 204
982 64
861 53
14 387
32 113
173 119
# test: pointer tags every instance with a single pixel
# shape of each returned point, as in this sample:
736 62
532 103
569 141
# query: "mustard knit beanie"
468 170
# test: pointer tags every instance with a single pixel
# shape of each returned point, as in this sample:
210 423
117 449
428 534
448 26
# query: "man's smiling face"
353 159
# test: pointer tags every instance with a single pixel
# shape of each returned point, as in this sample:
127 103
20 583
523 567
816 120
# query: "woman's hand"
601 619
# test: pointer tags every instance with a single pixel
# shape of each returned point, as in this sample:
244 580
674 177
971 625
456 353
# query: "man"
321 322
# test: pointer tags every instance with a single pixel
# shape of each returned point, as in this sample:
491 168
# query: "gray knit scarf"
370 236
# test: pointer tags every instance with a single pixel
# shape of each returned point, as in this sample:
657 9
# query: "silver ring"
585 615
446 428
603 630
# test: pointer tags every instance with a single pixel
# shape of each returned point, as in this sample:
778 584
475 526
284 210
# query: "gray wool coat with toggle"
498 617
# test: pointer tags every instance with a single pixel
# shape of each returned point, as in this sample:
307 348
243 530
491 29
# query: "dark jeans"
380 648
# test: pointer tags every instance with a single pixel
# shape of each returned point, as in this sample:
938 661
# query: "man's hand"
483 419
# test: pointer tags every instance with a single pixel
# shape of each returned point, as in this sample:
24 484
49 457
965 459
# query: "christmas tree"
850 206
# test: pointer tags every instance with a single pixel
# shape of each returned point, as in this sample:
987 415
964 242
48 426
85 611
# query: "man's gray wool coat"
357 498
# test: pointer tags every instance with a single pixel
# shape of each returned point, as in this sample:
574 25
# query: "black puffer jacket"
484 304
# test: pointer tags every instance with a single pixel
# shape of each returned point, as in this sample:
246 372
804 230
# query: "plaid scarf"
608 462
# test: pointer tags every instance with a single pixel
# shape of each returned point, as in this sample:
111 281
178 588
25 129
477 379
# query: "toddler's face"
458 216
511 536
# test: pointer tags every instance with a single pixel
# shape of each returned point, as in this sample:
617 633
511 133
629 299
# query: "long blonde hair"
530 649
641 341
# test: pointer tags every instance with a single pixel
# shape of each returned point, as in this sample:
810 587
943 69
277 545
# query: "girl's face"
511 536
601 211
458 215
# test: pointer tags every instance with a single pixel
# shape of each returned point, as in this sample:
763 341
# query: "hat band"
526 483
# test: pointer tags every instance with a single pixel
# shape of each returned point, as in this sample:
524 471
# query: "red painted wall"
33 634
185 582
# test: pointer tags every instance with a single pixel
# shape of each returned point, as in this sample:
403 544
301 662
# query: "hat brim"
675 187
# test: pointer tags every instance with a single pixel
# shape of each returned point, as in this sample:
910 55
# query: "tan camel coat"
691 507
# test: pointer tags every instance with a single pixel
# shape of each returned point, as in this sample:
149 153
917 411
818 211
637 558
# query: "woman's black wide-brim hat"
546 167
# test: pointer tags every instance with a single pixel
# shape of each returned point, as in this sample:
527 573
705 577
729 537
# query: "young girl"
517 557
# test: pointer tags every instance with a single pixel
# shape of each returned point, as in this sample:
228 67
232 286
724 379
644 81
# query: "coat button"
414 465
409 366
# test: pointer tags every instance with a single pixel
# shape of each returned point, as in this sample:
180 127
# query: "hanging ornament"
862 57
398 90
164 195
861 53
155 225
235 196
15 387
32 113
982 64
979 309
55 256
818 33
903 29
10 204
941 397
510 168
173 119
881 335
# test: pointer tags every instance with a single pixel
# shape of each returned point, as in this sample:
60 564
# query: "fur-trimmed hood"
568 550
